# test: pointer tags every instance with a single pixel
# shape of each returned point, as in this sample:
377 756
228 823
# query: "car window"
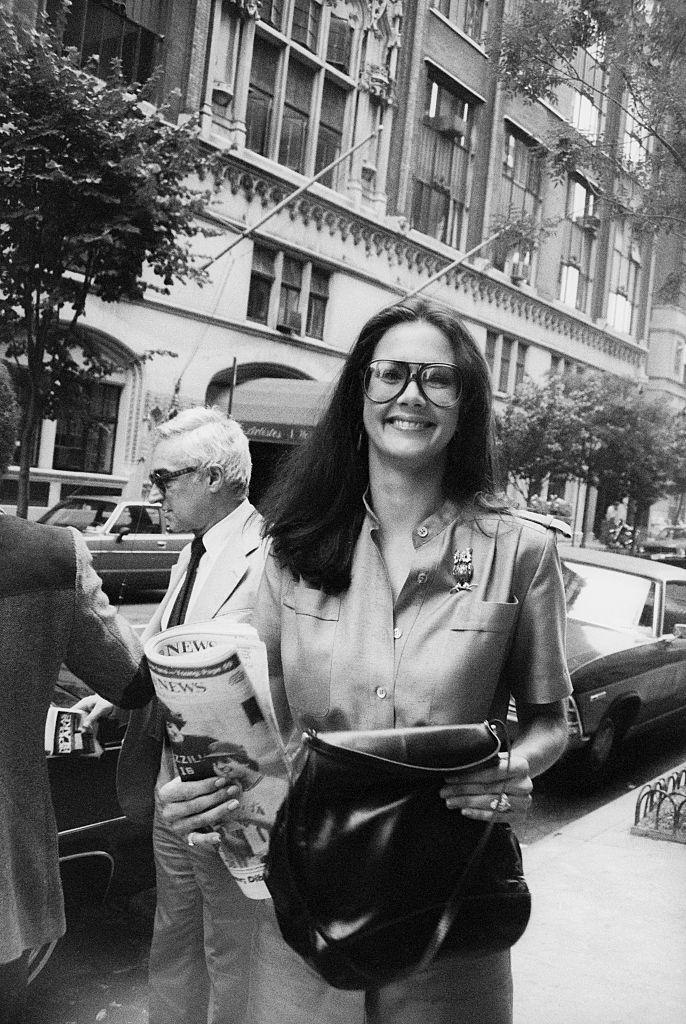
87 517
145 520
675 606
124 520
618 600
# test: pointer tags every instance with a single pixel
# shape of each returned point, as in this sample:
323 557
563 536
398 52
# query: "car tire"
598 753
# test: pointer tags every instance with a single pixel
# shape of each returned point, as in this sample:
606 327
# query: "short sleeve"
267 622
537 665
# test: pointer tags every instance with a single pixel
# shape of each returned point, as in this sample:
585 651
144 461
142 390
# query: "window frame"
314 154
280 307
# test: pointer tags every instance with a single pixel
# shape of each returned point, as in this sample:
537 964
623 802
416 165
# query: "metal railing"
661 806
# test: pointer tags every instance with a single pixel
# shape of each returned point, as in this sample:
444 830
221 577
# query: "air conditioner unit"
292 323
450 125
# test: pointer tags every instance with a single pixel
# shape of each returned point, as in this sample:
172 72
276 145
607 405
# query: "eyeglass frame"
162 482
413 371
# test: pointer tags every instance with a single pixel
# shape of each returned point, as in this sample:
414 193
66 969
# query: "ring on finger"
190 840
501 804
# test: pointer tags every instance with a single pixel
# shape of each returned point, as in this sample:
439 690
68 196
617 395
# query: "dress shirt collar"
425 531
227 528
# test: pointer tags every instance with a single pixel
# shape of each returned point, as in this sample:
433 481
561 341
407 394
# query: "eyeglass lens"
386 379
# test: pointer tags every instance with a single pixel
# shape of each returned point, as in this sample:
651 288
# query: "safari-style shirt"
480 616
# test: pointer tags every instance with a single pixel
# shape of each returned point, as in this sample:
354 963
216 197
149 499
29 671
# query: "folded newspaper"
211 680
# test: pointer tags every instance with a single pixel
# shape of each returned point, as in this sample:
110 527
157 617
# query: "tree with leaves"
593 427
639 46
99 196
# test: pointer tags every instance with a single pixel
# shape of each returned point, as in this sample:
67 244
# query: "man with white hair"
201 472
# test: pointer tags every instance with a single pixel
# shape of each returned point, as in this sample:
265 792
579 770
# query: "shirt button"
421 578
381 692
422 531
397 633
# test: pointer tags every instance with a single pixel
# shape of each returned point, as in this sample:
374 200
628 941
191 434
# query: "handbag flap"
433 748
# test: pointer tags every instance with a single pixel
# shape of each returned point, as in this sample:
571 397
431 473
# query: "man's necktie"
178 612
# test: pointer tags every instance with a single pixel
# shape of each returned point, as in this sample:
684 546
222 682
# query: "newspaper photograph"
211 681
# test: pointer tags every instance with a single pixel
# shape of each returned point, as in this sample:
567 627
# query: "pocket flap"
485 616
307 601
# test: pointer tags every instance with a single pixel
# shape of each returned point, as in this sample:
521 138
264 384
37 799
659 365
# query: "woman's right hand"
191 808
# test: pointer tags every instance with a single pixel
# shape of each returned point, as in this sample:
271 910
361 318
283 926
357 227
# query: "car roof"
623 563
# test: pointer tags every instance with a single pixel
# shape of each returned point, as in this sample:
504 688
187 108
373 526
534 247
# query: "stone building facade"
285 87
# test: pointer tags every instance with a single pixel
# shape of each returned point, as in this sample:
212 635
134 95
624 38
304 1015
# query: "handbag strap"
451 910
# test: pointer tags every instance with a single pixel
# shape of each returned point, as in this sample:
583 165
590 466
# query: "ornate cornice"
375 239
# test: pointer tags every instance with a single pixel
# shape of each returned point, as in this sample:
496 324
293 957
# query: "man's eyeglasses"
160 478
386 379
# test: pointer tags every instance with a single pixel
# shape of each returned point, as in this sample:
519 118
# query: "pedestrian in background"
399 592
201 935
52 610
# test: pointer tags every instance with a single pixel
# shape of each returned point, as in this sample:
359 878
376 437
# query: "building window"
588 100
439 198
520 364
636 140
624 279
520 197
289 316
491 342
283 288
261 281
84 440
316 305
129 31
579 237
261 96
297 111
505 360
468 15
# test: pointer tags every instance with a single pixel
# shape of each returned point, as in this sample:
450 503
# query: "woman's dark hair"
314 511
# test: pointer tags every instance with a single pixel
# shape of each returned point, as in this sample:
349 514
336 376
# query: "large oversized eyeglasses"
386 379
160 478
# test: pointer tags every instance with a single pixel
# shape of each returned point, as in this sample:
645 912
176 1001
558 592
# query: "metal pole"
291 196
456 263
233 384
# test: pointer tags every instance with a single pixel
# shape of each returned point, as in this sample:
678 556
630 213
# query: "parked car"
128 540
626 650
669 545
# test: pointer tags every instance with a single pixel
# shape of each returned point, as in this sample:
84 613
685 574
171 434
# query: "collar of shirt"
215 539
424 531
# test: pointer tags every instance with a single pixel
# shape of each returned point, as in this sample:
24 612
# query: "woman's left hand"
502 791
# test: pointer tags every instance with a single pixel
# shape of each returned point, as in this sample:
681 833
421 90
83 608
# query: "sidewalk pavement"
606 943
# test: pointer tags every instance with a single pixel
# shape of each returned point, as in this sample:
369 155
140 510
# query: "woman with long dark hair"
400 591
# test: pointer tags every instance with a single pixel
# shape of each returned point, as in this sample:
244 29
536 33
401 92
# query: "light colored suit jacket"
230 589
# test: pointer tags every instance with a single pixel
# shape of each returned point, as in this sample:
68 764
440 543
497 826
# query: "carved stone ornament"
247 8
375 79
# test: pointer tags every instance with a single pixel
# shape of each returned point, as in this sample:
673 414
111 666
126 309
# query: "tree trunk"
32 418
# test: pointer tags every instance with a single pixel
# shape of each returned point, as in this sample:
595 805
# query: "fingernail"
232 805
220 783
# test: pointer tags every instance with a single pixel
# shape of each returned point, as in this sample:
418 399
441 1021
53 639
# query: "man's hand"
96 708
190 808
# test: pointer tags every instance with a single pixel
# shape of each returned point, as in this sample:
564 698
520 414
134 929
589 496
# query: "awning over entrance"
279 410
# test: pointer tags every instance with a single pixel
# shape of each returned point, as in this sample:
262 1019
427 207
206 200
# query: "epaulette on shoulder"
548 521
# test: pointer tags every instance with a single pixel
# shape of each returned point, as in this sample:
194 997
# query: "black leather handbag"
372 876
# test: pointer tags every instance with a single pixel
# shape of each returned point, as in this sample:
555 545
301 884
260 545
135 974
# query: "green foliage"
99 196
640 46
599 428
9 418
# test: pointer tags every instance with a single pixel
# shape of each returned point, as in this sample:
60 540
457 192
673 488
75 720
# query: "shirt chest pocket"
310 623
484 616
